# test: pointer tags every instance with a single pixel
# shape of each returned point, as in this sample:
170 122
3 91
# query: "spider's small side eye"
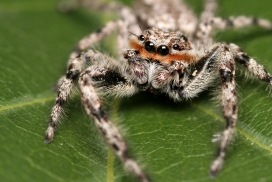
184 38
150 46
163 50
141 37
176 47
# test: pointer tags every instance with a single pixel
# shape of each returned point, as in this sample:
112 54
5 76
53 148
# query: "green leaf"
172 140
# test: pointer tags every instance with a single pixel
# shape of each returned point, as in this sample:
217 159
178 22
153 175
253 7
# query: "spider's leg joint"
226 76
72 74
98 113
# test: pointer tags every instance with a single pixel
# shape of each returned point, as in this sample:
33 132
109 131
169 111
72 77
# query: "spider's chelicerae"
175 57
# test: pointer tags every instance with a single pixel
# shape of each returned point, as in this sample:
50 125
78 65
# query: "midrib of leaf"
239 130
110 166
26 103
111 157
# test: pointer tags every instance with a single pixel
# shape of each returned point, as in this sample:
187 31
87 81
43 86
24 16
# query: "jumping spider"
175 57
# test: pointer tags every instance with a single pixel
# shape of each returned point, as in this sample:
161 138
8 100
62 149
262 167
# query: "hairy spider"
176 57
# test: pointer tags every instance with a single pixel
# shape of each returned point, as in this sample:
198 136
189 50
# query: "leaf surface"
173 140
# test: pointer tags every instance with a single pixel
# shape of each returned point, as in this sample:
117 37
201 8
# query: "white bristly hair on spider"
173 53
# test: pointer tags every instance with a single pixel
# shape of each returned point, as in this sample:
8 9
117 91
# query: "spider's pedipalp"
200 76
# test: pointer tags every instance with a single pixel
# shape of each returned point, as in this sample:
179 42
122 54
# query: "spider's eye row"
141 37
176 47
163 50
150 46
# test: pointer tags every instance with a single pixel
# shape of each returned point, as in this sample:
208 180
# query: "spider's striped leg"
240 21
92 38
74 68
108 77
206 27
252 65
210 7
65 87
219 62
126 23
93 107
229 104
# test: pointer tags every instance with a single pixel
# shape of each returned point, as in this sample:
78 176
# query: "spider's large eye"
163 50
141 37
176 47
150 47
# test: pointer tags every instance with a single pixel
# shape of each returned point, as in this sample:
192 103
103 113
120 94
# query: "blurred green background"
172 140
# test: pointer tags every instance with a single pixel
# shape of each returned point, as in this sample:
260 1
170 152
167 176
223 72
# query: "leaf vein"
25 103
239 130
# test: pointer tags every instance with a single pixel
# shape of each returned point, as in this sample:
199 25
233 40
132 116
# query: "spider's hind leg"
207 25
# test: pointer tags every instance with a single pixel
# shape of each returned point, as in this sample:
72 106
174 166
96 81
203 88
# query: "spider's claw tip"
49 133
48 139
212 174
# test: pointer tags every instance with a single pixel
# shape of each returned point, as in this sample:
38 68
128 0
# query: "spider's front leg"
219 62
229 104
233 53
105 75
74 68
66 85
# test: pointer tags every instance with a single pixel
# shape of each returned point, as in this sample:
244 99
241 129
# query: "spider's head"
157 45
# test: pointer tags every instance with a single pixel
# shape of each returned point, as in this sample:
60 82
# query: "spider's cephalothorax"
158 59
175 57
